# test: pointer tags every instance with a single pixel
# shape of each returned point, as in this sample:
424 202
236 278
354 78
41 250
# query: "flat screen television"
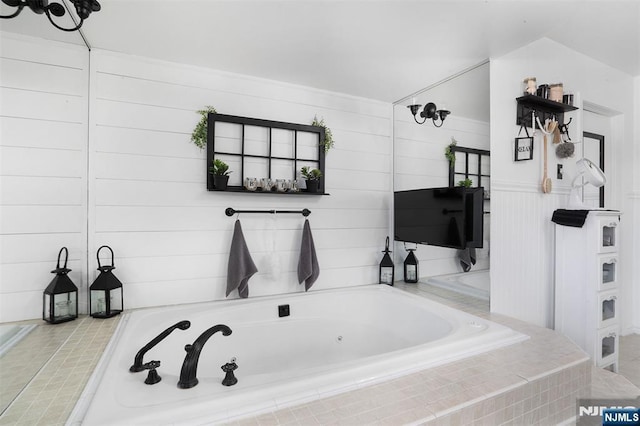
445 217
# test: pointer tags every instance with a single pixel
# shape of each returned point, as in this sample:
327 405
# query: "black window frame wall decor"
212 153
467 153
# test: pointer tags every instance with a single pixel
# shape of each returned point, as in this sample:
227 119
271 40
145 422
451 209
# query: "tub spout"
137 362
188 377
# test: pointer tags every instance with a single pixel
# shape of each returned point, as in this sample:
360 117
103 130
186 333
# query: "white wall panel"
37 190
120 140
52 78
19 161
26 248
36 133
42 105
242 86
148 167
43 169
170 235
38 51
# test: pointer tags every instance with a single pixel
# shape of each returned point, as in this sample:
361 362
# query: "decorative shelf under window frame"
212 153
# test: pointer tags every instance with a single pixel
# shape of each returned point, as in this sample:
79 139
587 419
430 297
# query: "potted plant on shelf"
220 172
199 135
312 177
465 183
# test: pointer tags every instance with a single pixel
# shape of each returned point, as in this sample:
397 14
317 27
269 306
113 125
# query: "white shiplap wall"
43 155
419 162
148 197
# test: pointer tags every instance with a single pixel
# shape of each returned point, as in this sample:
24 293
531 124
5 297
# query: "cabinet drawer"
607 346
607 308
607 272
608 234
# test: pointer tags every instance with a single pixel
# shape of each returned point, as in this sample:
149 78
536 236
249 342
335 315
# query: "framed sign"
523 149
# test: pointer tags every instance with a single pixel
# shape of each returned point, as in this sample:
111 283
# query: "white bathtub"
333 341
473 283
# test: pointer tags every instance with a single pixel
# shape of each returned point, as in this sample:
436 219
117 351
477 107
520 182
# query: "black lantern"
105 294
60 298
411 267
386 266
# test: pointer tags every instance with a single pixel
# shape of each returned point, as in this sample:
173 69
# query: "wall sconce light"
430 111
411 266
386 266
83 9
60 298
105 294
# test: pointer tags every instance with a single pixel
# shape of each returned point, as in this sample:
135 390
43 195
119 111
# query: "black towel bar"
231 211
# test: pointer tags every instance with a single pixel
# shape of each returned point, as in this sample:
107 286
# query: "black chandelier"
430 111
83 9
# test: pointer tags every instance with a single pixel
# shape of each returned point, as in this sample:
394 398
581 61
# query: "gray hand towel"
240 267
465 259
308 269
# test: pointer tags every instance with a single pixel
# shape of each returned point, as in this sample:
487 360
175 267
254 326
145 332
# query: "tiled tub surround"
399 401
333 341
51 365
533 382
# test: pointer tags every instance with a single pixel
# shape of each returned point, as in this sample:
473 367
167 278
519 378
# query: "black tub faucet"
190 365
137 362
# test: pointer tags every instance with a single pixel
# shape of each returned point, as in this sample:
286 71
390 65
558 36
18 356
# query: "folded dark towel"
575 218
240 267
308 269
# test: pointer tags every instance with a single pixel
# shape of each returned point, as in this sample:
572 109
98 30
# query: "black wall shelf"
237 189
277 149
544 108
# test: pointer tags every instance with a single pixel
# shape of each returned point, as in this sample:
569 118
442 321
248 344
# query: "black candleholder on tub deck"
105 295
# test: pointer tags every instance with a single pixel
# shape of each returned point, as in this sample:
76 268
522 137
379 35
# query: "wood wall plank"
43 169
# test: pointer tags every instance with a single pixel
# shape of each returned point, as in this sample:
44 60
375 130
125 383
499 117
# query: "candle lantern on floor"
411 267
60 298
105 294
386 266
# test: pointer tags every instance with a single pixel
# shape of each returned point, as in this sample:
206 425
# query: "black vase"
312 185
220 182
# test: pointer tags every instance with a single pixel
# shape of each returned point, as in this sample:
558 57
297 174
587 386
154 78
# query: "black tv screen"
445 217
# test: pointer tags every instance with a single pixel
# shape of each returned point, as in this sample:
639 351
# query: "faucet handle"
153 377
229 378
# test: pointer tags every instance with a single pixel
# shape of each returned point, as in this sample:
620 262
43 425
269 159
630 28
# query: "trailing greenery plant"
328 142
219 168
310 174
449 154
466 183
199 135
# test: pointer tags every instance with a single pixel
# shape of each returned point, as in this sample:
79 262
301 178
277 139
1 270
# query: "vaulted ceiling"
379 49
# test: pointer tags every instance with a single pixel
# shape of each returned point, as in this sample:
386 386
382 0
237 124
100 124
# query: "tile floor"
49 368
630 358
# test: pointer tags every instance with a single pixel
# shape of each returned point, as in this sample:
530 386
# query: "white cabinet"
586 286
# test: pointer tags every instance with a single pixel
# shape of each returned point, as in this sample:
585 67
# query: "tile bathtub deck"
466 385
